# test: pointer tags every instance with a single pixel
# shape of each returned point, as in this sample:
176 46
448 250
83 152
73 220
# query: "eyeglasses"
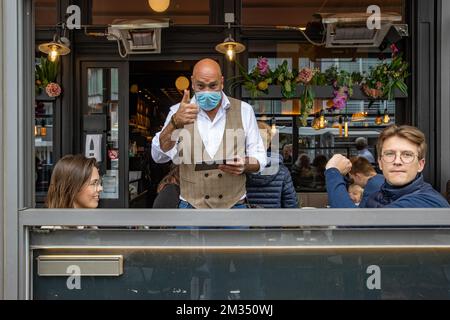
96 184
406 157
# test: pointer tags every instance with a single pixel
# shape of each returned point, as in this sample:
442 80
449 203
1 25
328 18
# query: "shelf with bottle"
141 119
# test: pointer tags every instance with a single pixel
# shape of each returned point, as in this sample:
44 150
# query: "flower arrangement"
258 80
383 79
380 83
305 77
286 78
45 77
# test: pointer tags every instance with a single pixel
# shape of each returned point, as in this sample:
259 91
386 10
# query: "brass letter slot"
83 265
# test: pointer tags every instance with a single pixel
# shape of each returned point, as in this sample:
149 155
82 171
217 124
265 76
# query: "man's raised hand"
187 112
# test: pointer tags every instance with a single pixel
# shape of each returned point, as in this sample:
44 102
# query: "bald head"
207 75
207 65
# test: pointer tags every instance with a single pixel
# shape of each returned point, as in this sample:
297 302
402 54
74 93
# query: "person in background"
271 190
364 175
302 172
319 164
356 193
363 151
402 151
287 153
169 190
75 183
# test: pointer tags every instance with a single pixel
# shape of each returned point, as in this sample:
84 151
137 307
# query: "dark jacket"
418 194
373 185
272 189
168 197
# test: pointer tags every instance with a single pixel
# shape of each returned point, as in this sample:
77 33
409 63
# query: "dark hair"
361 143
70 175
173 177
409 133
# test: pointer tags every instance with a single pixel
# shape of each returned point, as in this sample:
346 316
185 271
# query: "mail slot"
83 265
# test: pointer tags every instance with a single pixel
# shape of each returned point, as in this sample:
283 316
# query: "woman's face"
89 195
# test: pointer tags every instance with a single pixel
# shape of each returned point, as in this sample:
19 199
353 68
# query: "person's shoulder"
427 197
245 107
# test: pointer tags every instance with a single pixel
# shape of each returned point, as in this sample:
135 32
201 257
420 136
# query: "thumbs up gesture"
187 113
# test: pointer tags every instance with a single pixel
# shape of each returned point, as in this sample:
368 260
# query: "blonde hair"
70 175
409 133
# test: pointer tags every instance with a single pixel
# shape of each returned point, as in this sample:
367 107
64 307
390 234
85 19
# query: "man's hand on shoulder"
340 163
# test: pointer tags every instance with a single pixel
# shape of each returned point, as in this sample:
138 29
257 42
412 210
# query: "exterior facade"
427 107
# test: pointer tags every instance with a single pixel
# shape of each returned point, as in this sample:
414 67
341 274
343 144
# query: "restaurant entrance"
154 87
124 104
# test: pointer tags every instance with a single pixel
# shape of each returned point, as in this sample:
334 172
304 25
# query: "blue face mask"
208 100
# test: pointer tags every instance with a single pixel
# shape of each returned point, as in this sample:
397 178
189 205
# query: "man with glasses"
215 140
402 152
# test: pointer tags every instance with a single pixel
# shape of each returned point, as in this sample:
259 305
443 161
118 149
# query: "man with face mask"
401 157
211 128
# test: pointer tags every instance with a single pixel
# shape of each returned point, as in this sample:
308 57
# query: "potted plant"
46 73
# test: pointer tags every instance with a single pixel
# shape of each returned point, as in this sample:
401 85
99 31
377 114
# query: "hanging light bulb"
322 123
346 127
159 5
53 54
58 47
231 54
386 118
378 119
316 122
230 48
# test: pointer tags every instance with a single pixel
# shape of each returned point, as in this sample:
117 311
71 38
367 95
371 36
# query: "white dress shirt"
212 132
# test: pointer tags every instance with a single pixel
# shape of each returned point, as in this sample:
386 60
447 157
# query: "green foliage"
45 73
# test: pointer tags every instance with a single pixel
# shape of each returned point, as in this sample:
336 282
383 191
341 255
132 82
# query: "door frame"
123 67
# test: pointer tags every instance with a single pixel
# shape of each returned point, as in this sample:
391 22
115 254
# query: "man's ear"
380 164
421 165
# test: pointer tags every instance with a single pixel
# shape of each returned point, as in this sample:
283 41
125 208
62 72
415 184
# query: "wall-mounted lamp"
58 47
159 5
229 46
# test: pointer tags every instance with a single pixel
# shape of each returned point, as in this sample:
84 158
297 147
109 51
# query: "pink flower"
305 75
340 100
263 66
394 50
53 90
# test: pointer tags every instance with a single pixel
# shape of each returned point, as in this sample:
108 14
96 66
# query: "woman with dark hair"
169 190
75 183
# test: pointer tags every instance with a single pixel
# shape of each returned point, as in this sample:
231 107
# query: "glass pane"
300 13
43 142
101 126
179 12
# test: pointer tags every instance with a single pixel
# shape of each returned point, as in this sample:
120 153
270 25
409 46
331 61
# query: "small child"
356 193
